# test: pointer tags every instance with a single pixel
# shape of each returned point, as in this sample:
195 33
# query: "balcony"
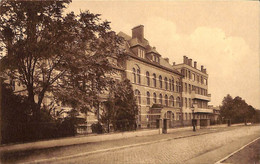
202 110
200 97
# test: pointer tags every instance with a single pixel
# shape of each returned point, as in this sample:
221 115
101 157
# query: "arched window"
154 80
138 76
138 96
171 101
148 78
173 118
178 102
160 98
134 75
166 100
173 84
154 98
148 98
166 83
170 84
160 81
177 88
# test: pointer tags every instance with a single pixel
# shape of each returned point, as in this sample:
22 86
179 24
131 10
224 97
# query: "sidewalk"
50 152
92 138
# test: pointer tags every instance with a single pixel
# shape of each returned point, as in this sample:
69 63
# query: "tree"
121 108
236 109
48 51
226 108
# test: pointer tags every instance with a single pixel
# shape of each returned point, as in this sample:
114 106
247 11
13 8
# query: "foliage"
16 123
236 109
48 51
121 109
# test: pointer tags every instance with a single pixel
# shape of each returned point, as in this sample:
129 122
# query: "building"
163 90
174 92
195 95
154 80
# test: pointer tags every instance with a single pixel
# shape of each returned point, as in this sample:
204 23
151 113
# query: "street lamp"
193 120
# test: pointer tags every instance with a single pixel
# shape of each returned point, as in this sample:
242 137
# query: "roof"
132 42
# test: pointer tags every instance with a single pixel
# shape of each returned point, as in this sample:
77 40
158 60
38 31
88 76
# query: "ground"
202 146
250 154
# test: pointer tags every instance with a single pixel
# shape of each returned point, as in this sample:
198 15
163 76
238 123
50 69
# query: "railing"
201 97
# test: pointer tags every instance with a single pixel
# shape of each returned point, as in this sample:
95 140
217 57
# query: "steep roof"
131 42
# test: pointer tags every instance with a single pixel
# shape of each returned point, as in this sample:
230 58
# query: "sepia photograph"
130 82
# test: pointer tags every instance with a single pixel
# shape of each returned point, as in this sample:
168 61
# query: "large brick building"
163 90
177 92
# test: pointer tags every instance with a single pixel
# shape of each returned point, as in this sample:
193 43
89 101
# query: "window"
186 116
201 80
160 98
154 80
183 72
178 101
148 98
198 78
134 75
166 83
12 83
138 96
180 87
189 75
141 53
189 102
189 88
148 78
172 84
185 87
160 81
171 101
154 98
193 77
138 76
186 102
166 100
177 88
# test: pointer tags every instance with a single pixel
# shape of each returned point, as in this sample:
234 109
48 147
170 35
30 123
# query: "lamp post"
193 120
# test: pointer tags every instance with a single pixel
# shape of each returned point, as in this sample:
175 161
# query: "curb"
228 156
112 149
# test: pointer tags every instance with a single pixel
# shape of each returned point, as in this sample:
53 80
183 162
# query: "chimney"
195 64
190 62
173 63
166 59
138 32
184 59
201 68
205 70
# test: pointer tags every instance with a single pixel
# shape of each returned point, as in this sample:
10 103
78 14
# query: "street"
202 146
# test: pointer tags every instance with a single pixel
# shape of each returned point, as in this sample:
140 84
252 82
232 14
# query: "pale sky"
221 35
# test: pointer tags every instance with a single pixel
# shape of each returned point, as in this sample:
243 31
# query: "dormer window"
155 58
141 53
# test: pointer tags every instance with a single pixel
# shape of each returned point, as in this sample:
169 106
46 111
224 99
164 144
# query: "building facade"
178 93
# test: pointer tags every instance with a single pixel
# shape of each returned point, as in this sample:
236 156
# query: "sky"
221 35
